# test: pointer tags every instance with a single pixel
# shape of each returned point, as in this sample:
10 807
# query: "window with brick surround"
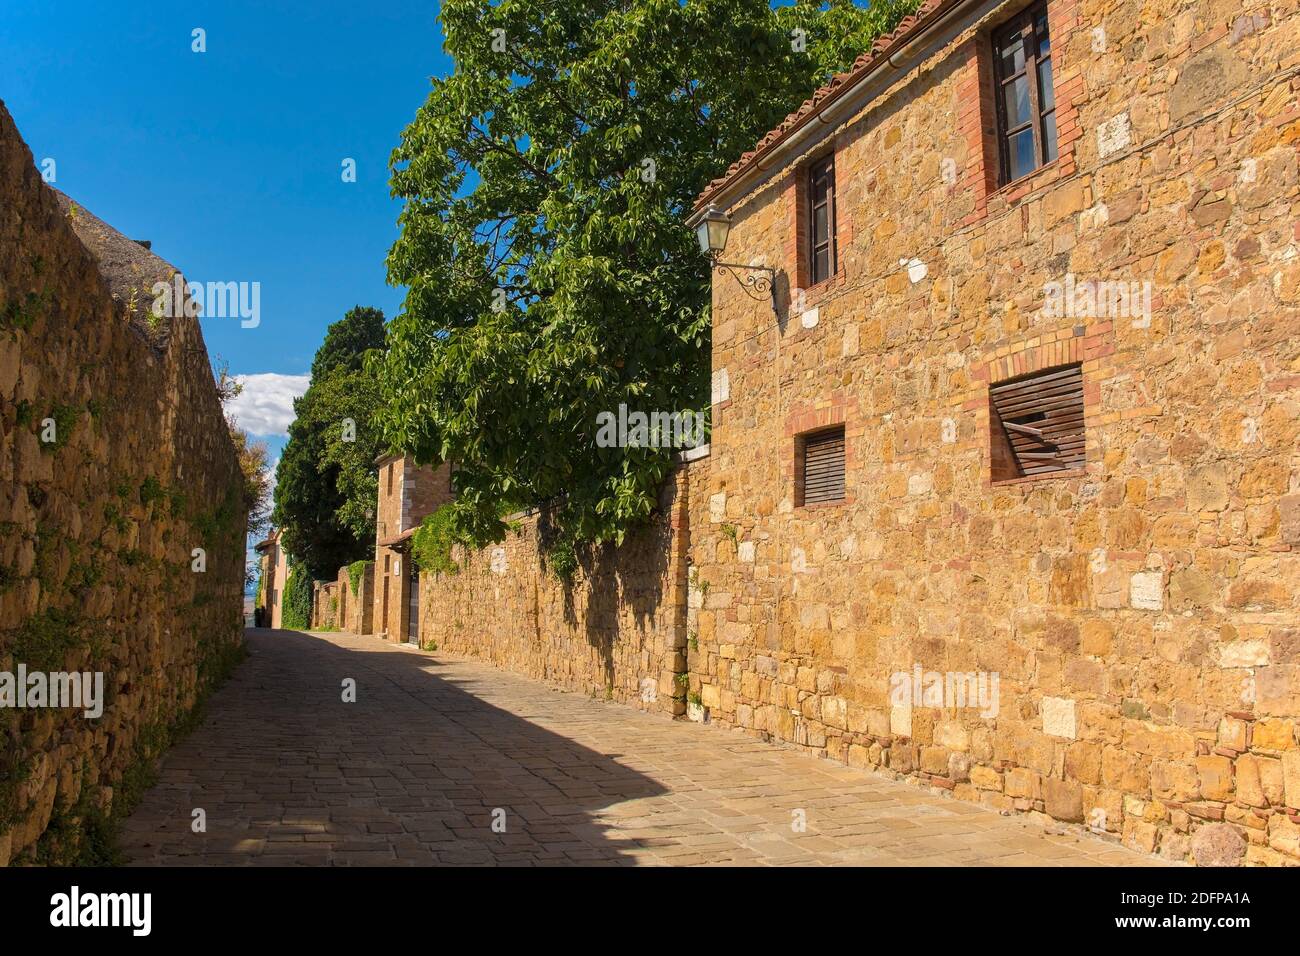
821 220
1036 424
1026 100
820 472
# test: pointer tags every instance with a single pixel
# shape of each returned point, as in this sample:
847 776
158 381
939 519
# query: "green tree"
347 341
549 273
326 488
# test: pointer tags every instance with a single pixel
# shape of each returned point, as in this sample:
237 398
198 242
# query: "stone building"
407 492
1025 408
273 565
273 571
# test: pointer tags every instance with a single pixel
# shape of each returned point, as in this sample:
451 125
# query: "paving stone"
582 782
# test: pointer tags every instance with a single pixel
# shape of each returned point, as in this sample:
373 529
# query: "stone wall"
356 600
98 527
1142 615
325 606
617 630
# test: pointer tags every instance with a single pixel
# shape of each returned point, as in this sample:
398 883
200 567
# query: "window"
390 477
821 225
1022 53
1037 424
821 467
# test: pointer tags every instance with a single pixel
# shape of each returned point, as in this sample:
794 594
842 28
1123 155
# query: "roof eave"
898 57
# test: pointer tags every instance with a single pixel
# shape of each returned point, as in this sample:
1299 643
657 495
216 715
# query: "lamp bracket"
759 279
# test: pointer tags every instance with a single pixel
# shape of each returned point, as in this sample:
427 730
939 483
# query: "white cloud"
265 406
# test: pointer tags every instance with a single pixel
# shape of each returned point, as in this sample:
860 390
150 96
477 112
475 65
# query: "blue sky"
230 160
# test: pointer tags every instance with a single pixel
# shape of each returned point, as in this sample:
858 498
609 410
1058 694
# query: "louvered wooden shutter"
1042 422
823 467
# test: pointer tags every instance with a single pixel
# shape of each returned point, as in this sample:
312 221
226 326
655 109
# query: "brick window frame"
798 215
1092 346
1036 425
820 187
823 439
1023 28
977 118
803 421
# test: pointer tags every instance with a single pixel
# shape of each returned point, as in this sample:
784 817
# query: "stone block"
1059 717
1218 844
1063 800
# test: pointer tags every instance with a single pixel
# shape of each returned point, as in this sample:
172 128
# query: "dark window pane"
1046 94
821 191
1016 100
1044 40
1013 57
1020 154
1049 137
819 225
821 264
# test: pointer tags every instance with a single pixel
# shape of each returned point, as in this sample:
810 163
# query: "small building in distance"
407 493
273 566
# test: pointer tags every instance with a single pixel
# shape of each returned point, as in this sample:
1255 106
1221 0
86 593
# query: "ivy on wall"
357 574
432 541
296 613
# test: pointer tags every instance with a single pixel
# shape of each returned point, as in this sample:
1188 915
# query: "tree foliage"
549 272
326 486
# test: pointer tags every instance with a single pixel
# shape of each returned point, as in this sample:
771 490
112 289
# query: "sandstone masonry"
1141 611
617 630
99 527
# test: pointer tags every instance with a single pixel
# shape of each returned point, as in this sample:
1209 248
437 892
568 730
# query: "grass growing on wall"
296 613
83 834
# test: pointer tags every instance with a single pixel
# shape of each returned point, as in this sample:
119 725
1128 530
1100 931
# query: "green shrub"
151 490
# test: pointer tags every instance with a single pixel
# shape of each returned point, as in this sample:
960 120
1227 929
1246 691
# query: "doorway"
413 614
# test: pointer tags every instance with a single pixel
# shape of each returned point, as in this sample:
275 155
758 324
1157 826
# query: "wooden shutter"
823 466
1040 418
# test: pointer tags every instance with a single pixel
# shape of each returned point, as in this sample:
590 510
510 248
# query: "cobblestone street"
435 748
